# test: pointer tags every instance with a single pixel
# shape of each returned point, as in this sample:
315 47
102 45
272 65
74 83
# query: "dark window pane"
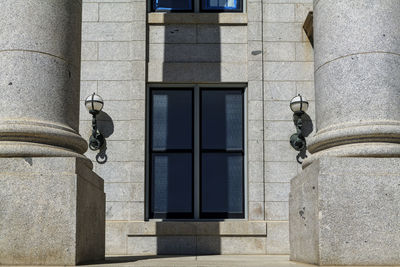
166 5
228 5
222 183
171 183
171 119
222 119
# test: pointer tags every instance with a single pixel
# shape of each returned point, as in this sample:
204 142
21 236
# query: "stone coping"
175 228
197 18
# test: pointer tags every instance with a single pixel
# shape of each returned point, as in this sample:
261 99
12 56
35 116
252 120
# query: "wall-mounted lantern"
94 104
299 106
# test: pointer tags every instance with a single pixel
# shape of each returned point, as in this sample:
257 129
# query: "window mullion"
196 154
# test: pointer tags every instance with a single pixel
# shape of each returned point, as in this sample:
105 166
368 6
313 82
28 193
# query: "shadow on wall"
192 52
105 126
307 129
192 238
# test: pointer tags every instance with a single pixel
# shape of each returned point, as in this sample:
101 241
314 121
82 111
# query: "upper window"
205 5
196 159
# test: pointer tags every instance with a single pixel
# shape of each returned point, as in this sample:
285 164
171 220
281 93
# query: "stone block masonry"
113 65
344 206
263 47
51 203
345 211
51 212
287 70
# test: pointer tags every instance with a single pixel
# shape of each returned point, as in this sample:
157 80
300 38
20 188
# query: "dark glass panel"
172 5
221 5
172 183
222 119
171 119
222 183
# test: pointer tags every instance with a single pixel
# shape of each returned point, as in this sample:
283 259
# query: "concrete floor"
201 261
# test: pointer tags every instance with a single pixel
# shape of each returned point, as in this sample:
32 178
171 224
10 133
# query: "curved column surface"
357 78
40 44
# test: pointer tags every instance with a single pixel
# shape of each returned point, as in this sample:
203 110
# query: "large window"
205 5
196 153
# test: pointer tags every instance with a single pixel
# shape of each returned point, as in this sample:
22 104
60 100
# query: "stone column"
40 76
344 207
357 78
51 203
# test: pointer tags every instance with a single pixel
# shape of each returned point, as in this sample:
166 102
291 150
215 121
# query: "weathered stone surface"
342 123
192 245
116 12
345 90
31 111
222 34
282 32
289 71
52 212
202 18
172 34
197 72
204 52
40 66
254 31
51 27
90 11
107 31
256 211
358 27
277 211
277 238
116 237
277 51
279 12
355 72
345 211
188 48
193 238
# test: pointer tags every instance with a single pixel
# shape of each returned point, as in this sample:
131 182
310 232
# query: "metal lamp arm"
299 126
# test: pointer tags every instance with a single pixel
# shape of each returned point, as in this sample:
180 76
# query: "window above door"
196 5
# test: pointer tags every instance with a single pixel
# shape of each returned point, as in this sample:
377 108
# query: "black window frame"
197 7
216 10
202 215
221 215
153 9
169 215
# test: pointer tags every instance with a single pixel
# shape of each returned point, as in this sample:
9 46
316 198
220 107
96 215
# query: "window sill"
175 228
198 18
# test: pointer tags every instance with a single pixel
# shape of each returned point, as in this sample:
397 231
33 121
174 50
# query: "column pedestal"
344 207
346 211
51 212
52 206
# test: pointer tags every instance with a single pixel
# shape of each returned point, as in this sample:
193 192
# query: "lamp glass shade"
299 104
94 103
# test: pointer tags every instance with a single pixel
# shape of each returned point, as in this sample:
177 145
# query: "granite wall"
124 50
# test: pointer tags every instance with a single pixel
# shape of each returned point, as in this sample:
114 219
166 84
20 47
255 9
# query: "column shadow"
192 52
